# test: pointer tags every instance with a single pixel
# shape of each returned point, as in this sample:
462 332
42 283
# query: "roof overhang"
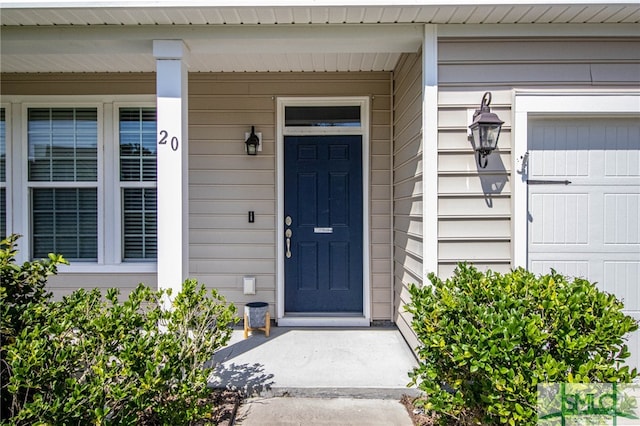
276 36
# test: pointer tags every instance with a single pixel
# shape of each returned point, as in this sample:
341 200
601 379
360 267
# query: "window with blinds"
63 174
137 128
63 144
65 220
3 176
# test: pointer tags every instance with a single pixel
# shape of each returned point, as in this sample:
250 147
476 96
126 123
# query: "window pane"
3 213
3 148
65 221
322 116
63 144
139 223
138 144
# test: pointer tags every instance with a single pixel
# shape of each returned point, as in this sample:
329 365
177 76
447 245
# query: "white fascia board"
325 37
537 30
294 3
263 39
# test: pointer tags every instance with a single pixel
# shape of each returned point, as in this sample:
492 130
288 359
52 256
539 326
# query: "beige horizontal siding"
446 269
407 186
473 205
225 183
78 84
469 196
64 284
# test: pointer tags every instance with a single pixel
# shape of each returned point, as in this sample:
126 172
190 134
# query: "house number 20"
164 140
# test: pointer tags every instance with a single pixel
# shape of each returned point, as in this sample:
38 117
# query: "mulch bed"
418 416
226 406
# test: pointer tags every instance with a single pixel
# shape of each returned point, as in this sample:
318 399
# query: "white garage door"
584 199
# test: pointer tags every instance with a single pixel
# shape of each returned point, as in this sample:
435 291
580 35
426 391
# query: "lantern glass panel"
489 136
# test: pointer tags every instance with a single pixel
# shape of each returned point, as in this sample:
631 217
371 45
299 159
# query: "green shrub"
488 339
93 359
21 287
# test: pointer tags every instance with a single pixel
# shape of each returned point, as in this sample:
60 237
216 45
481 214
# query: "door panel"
323 197
591 227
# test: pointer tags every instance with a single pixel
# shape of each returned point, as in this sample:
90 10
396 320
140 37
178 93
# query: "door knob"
288 234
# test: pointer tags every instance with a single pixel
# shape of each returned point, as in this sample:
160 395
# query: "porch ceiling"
258 35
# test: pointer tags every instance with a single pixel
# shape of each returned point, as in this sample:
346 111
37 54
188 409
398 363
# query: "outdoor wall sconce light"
252 142
485 130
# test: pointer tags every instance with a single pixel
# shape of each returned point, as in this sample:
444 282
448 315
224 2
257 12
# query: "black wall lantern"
253 142
485 130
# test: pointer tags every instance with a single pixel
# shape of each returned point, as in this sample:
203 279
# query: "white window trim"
109 225
27 186
531 103
281 132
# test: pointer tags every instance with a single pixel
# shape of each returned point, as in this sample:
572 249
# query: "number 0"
174 143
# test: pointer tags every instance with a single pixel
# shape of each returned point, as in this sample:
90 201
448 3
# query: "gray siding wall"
474 204
407 186
225 183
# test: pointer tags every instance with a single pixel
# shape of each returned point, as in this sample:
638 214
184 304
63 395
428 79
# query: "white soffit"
275 36
263 12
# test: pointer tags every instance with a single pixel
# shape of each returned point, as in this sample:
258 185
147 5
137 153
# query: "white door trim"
553 103
281 132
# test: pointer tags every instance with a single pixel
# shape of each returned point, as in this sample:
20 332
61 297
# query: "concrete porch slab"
322 363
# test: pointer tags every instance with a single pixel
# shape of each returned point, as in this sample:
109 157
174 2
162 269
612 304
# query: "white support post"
430 151
173 183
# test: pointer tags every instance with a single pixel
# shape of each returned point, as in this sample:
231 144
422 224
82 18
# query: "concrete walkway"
317 412
318 376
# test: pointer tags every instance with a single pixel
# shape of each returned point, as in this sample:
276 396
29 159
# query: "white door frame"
529 103
281 132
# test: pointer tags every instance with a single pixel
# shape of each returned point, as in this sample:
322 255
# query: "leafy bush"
488 339
91 359
21 287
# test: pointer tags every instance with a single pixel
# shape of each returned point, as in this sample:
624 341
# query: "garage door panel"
623 227
559 219
591 227
622 157
584 147
569 268
621 279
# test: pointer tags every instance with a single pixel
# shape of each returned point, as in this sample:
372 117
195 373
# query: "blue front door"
323 224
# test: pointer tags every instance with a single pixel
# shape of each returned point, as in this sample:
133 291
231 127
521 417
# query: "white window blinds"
138 183
63 152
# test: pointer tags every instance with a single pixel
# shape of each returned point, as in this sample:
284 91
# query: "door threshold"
307 320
